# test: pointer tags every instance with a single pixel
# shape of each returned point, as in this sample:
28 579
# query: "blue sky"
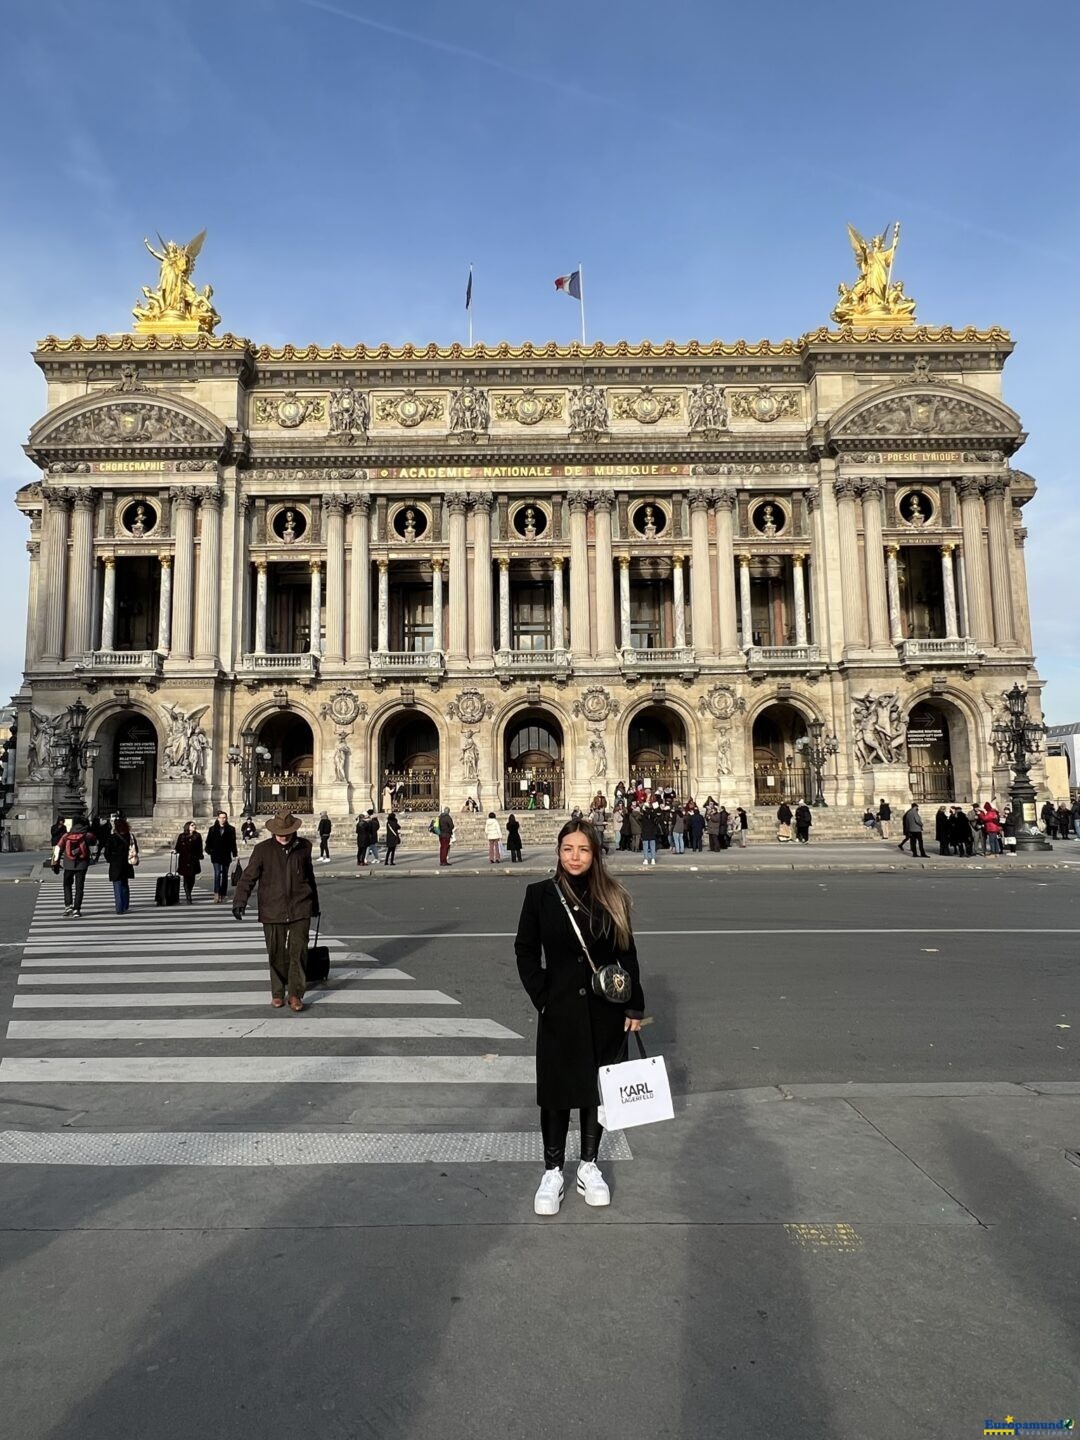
350 159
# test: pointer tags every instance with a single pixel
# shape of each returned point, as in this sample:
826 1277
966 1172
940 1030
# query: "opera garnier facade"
310 577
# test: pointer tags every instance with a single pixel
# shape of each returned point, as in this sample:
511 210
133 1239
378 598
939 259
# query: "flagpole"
470 307
581 287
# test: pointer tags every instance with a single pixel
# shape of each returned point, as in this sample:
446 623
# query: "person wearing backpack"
73 852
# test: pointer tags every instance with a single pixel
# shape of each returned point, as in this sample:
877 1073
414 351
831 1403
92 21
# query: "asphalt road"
863 1219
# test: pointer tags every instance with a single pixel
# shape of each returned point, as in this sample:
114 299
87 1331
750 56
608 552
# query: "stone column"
746 609
999 530
459 602
948 585
209 606
315 612
605 579
333 509
798 586
382 643
33 602
437 604
558 622
261 587
978 600
504 604
726 501
164 628
701 590
183 516
360 587
579 577
482 577
678 597
108 605
82 576
854 630
961 596
624 602
876 604
1023 610
54 569
892 577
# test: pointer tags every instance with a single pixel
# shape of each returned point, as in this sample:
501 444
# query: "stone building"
301 576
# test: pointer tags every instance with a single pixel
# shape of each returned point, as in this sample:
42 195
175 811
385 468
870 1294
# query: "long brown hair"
612 897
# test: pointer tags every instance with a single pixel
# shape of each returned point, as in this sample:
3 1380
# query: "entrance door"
533 772
930 768
132 786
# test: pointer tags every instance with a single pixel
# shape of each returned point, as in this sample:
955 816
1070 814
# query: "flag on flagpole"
570 284
468 291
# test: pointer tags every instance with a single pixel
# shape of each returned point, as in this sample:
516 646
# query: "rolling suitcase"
167 889
317 969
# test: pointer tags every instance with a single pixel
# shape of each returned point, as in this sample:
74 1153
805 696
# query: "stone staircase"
539 829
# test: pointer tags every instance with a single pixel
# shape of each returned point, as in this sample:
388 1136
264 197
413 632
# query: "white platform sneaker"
591 1184
549 1193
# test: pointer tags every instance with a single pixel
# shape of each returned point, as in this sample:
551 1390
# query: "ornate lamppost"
242 757
1017 739
817 748
79 756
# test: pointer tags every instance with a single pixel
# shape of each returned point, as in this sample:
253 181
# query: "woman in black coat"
393 837
513 839
119 848
189 854
578 1030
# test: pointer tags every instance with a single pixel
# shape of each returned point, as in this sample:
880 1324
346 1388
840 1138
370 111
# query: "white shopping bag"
635 1092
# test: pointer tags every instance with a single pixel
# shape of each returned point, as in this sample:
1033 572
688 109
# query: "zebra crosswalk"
177 1000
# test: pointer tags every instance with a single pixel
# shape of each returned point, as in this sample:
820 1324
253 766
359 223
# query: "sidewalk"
760 855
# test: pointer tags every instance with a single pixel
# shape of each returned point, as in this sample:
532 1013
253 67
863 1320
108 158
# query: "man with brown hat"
288 898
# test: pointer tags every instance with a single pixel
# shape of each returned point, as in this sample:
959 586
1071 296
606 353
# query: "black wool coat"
577 1031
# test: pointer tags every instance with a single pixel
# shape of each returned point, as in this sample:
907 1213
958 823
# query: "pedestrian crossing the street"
179 997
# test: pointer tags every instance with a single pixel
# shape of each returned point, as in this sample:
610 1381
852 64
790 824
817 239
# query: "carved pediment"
126 424
916 415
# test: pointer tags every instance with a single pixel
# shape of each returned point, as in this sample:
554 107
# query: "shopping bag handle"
624 1053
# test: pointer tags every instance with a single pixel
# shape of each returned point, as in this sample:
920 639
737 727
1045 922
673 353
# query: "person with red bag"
73 853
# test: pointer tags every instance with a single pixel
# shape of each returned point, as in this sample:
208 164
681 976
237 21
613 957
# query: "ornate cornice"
846 335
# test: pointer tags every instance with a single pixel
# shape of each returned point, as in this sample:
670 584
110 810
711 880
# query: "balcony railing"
784 657
124 662
304 663
418 663
940 652
533 662
662 660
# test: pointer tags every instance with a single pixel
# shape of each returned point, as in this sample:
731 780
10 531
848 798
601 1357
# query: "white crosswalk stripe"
192 977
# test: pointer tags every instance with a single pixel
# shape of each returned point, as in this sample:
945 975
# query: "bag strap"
624 1053
318 922
573 922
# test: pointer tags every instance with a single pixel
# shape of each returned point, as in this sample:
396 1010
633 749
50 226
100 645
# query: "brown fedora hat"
284 824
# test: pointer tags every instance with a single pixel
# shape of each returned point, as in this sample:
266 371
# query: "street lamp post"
1017 739
817 747
242 757
79 757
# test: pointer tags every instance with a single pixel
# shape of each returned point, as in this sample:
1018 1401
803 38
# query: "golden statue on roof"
875 299
175 307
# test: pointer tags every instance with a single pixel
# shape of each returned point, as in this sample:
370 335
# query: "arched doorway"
930 733
409 762
127 767
285 764
533 762
780 769
656 750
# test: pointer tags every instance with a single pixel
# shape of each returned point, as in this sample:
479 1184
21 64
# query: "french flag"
570 284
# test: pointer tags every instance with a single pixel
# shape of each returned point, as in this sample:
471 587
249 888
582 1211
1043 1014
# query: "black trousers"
78 879
917 846
324 847
555 1126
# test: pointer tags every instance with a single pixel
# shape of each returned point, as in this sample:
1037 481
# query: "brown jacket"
286 881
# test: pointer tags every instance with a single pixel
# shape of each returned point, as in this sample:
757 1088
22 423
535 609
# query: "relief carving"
708 409
350 414
647 406
289 410
133 423
765 404
528 408
469 411
588 410
408 408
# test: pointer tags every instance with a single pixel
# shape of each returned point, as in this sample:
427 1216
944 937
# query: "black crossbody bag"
610 982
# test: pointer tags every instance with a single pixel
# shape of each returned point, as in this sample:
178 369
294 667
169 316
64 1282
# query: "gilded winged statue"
176 304
875 298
